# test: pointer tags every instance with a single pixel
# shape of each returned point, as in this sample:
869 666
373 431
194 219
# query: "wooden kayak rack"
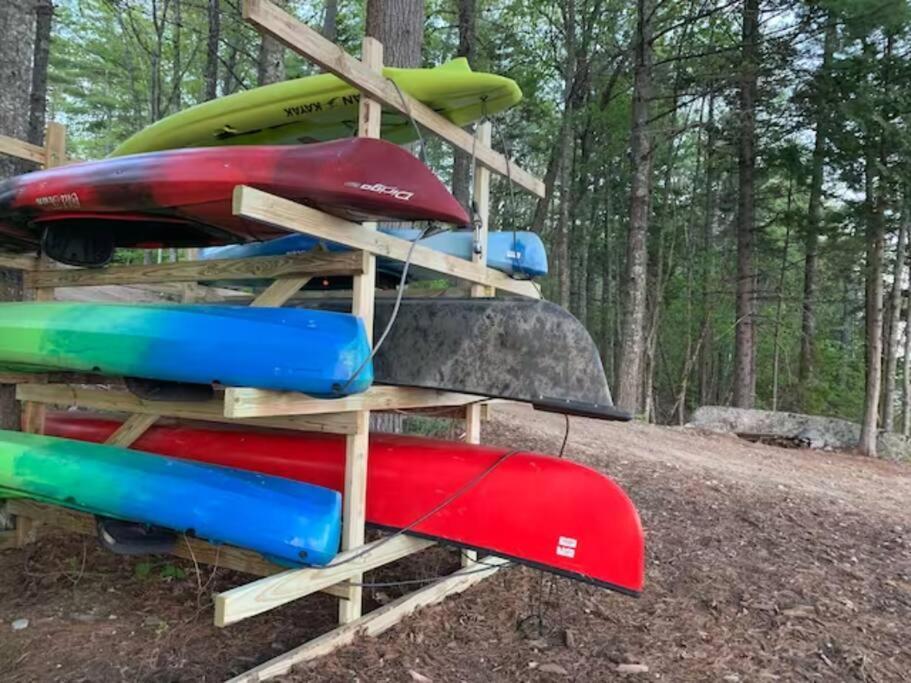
349 416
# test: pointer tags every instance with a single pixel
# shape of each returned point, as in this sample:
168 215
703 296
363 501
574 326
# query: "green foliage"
115 69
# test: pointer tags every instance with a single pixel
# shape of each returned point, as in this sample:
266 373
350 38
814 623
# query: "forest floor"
764 564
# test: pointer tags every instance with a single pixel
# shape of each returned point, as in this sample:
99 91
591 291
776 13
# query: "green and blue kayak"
320 353
288 521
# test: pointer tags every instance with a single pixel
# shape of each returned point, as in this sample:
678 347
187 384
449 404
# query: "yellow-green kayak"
323 107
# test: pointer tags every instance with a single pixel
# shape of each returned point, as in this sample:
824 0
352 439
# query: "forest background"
728 199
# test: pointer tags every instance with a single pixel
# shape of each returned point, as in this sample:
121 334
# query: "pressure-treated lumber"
212 411
374 623
261 267
134 427
22 150
305 41
265 594
226 556
278 293
247 403
354 508
357 446
55 145
17 261
267 208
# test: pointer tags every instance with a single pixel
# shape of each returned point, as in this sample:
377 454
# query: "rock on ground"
812 431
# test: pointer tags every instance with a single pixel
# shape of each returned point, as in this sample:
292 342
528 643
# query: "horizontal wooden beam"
227 556
262 267
375 622
271 592
18 261
274 21
257 403
267 208
212 411
22 150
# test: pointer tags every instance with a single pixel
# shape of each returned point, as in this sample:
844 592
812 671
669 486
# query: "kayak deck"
316 352
287 521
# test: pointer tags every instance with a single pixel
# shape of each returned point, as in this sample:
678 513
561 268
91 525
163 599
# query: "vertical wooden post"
482 205
362 305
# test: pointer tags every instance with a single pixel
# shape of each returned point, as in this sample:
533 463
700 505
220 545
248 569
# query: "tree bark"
906 366
461 163
814 211
706 357
271 63
779 295
211 76
894 308
17 26
744 333
630 368
399 26
37 113
330 21
873 306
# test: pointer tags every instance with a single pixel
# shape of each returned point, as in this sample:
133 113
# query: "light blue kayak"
520 254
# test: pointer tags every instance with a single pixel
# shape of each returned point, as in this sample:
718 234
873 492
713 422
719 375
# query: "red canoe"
183 197
550 513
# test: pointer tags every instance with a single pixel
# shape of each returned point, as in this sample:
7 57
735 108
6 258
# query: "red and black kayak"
546 512
182 198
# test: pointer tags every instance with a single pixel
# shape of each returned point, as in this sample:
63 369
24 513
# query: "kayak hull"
184 197
315 352
543 511
323 107
520 254
287 521
518 349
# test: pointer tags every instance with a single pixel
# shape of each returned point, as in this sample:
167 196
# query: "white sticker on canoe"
563 551
566 546
567 541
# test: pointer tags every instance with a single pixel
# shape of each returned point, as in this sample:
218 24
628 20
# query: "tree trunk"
330 21
271 65
561 247
630 368
211 77
17 26
906 367
814 210
873 308
37 113
461 163
706 356
779 295
399 26
744 334
895 307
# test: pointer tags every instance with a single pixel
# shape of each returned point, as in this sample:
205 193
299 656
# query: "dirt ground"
764 564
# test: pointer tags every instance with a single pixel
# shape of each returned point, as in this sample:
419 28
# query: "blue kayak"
519 254
288 521
315 352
